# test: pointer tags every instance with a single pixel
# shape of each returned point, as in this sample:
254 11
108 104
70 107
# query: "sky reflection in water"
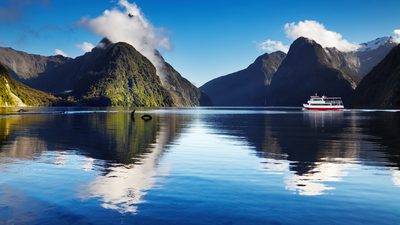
201 166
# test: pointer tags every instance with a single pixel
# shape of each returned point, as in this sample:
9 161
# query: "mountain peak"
378 42
304 43
104 43
258 63
304 40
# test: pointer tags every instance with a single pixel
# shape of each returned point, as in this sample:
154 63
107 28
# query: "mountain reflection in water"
203 164
318 148
126 152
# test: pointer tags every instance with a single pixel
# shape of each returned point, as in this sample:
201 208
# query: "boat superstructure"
324 103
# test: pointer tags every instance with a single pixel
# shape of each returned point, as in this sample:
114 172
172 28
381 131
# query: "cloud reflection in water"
124 186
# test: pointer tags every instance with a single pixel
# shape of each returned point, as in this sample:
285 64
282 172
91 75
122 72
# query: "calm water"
200 166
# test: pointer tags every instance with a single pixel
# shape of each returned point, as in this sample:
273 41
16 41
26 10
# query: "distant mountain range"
112 74
116 74
24 66
306 69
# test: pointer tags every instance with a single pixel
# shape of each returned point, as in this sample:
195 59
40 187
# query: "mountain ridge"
381 87
247 86
348 66
24 66
307 69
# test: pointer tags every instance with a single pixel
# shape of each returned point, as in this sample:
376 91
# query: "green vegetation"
13 93
120 76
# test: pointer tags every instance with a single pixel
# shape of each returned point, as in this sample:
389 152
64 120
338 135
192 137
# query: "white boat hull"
323 107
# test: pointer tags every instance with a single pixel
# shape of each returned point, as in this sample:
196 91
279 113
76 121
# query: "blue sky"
210 38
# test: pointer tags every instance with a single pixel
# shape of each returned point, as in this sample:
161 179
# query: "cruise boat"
324 103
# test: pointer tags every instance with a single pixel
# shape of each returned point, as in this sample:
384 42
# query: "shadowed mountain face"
183 92
373 52
13 93
381 87
23 66
308 69
246 87
358 63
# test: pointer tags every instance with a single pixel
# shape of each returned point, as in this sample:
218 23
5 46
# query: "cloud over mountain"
317 32
313 30
60 52
127 23
273 46
396 35
85 46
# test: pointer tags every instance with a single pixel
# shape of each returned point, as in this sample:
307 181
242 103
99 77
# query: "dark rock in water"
381 87
245 87
146 117
133 115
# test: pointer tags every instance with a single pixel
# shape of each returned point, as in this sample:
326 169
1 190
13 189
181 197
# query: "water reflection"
316 181
316 149
226 165
396 177
124 153
122 188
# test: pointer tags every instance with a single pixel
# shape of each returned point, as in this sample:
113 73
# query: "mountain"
358 63
183 92
23 66
250 86
372 52
381 86
13 93
309 68
246 87
112 74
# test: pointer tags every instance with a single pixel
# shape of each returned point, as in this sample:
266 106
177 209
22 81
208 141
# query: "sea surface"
199 166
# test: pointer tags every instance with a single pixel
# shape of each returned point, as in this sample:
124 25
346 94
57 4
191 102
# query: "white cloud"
272 46
317 31
127 23
85 46
60 52
396 35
